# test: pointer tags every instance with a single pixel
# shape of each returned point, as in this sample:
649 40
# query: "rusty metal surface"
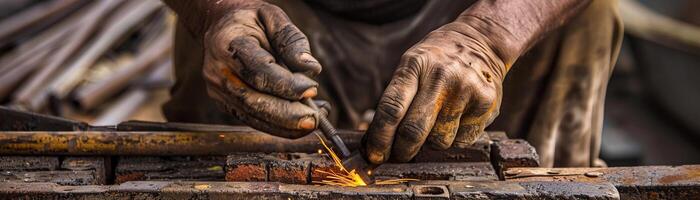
159 143
70 170
644 182
438 171
532 190
271 190
207 168
26 163
13 120
59 177
430 191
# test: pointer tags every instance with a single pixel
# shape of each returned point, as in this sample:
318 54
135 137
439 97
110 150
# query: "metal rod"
14 26
158 143
328 130
92 95
118 27
32 95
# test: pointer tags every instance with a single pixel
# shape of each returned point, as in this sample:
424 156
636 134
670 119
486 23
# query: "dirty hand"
257 65
446 89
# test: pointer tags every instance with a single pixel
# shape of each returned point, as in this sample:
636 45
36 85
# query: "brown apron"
553 96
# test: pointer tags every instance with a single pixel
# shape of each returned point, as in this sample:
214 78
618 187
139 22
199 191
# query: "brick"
322 163
100 165
437 171
131 168
28 163
513 153
246 167
477 152
302 168
289 168
58 177
47 169
275 167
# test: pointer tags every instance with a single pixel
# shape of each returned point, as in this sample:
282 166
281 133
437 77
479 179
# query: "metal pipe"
92 95
14 26
33 94
160 143
118 27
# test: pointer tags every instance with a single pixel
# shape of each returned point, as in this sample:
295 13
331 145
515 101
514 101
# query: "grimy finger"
476 117
260 71
291 44
419 120
268 113
390 111
447 123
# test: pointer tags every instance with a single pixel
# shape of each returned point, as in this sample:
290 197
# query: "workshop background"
104 62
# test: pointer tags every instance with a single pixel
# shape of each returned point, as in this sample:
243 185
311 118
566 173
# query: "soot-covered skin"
448 87
257 64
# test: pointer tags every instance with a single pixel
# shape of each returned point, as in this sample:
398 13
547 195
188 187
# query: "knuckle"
256 78
402 74
439 141
444 71
267 7
238 42
482 101
439 72
413 58
289 38
469 134
412 132
237 45
390 108
480 108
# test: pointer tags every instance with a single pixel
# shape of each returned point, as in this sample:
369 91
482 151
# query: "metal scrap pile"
97 61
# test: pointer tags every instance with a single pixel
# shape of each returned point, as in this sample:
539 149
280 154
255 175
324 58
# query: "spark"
348 178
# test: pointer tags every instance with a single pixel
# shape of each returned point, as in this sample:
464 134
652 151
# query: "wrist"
481 45
496 40
198 15
512 27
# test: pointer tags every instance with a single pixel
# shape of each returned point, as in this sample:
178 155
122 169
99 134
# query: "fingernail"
307 123
376 157
311 92
307 57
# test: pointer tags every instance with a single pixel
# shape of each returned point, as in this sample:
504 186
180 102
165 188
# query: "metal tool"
352 160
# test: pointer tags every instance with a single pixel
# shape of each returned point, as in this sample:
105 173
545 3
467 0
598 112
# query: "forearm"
511 27
198 15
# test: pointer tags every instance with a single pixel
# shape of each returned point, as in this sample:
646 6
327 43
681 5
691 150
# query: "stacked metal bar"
97 61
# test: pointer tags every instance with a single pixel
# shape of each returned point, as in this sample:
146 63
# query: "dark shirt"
370 11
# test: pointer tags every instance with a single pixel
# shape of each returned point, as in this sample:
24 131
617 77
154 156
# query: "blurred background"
104 62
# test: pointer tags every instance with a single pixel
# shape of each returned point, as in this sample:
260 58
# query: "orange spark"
348 178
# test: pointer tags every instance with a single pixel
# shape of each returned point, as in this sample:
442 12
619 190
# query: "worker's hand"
446 89
257 64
